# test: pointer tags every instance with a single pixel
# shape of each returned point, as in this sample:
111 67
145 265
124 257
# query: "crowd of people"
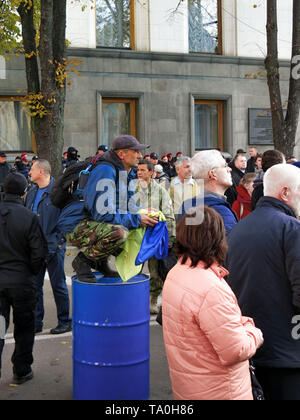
21 165
233 291
207 336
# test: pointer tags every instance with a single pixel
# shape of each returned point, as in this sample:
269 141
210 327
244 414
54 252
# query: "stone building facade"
155 88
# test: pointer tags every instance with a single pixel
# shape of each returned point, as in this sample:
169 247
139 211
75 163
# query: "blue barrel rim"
142 279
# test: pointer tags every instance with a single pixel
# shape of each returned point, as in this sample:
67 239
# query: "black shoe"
19 380
61 329
38 330
82 266
103 268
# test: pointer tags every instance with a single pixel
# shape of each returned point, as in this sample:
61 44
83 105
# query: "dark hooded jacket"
22 243
263 261
109 195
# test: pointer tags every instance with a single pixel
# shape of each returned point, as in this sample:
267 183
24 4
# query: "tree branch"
28 34
110 8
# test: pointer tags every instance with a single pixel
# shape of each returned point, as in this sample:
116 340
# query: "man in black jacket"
23 251
5 168
264 265
238 168
251 161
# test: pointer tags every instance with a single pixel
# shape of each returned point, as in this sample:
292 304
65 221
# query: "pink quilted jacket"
208 342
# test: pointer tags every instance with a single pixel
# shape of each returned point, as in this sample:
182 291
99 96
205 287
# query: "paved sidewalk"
53 370
53 358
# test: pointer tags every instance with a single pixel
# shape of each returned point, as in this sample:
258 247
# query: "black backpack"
72 179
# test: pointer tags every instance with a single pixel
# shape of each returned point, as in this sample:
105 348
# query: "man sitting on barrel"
111 210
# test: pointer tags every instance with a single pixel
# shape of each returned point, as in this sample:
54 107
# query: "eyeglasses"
220 167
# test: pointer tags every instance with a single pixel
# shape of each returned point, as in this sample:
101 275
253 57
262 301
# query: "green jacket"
155 196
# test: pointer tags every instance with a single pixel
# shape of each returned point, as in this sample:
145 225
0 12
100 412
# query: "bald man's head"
283 182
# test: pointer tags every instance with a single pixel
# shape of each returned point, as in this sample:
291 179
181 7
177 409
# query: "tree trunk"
48 129
284 129
292 117
272 67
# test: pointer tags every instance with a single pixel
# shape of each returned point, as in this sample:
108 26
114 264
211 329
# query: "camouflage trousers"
98 240
156 283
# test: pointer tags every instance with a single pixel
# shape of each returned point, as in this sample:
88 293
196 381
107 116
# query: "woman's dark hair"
258 156
271 158
205 241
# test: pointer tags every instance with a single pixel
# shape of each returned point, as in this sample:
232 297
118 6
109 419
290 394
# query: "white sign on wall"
2 68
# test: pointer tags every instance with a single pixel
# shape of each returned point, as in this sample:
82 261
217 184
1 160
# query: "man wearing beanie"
23 251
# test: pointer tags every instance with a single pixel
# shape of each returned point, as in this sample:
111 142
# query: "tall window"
118 117
208 125
205 26
113 23
15 129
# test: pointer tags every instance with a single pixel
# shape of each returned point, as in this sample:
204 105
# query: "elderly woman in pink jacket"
208 342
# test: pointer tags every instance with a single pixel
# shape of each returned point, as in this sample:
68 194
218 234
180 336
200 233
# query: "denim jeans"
55 267
23 302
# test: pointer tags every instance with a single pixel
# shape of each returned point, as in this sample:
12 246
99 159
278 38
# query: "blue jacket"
264 272
71 215
108 195
48 215
218 204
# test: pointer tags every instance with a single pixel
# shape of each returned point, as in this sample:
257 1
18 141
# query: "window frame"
220 33
220 106
132 105
19 98
228 143
137 100
131 28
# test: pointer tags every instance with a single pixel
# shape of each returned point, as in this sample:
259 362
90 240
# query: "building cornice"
164 56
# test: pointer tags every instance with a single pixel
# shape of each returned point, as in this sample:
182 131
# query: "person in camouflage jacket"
149 194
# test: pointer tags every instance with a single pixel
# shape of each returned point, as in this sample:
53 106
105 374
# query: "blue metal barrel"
111 357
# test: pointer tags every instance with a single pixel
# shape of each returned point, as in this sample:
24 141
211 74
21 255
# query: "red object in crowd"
242 205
